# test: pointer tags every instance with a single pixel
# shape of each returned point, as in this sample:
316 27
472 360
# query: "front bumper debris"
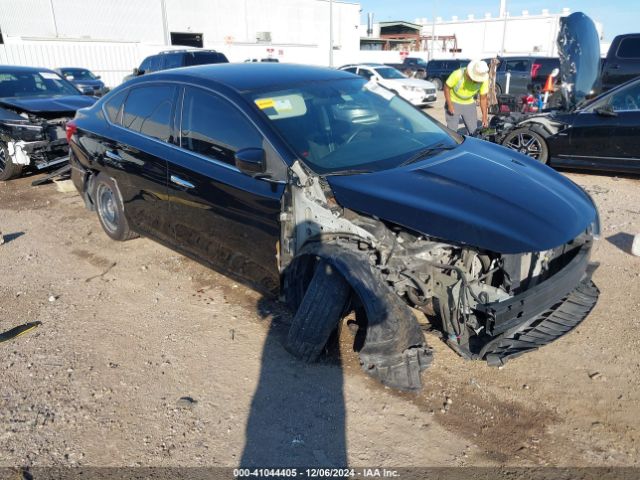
557 321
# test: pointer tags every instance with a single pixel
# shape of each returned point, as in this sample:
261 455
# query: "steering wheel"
359 131
630 102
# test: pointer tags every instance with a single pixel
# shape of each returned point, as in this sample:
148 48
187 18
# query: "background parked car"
418 92
439 70
622 62
411 66
85 80
527 73
35 104
175 59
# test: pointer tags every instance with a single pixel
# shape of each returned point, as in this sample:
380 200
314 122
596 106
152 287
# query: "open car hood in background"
579 52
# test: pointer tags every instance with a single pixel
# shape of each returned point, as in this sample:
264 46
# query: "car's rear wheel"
8 169
110 210
528 142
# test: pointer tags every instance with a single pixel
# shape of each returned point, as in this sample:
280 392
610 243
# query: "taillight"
534 69
71 129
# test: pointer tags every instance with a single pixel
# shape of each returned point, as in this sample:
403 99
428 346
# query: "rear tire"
318 314
528 142
8 169
110 210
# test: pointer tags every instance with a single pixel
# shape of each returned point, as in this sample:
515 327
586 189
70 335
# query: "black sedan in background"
341 196
603 134
85 80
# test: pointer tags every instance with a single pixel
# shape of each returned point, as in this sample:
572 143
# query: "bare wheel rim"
526 143
107 208
3 160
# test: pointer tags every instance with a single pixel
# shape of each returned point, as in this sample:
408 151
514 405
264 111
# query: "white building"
525 34
530 33
111 37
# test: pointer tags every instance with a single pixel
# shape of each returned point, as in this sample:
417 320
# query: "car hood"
579 52
35 105
91 83
412 82
479 194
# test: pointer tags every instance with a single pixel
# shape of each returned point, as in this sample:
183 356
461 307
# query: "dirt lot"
144 357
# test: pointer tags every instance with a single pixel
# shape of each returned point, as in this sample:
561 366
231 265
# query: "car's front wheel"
8 169
110 209
528 142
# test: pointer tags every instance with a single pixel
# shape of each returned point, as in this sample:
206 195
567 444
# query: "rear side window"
113 107
172 60
155 63
629 48
546 66
204 58
365 73
213 127
148 111
517 65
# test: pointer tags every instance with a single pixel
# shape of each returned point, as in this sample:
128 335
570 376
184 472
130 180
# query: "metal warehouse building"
111 37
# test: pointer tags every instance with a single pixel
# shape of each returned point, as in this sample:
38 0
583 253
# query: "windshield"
78 73
389 73
34 84
350 126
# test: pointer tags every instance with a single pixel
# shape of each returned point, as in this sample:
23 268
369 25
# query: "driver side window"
627 99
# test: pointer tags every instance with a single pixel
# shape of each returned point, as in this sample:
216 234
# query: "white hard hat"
478 70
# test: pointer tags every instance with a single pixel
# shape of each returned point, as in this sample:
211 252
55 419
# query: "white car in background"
418 92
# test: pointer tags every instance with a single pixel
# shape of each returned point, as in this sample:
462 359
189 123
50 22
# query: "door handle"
181 182
113 155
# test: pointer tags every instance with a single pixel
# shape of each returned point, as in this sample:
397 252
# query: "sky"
616 16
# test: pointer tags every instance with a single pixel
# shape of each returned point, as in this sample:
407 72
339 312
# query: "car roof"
248 76
21 68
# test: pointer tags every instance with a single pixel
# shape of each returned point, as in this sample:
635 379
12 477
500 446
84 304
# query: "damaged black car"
342 198
578 131
35 104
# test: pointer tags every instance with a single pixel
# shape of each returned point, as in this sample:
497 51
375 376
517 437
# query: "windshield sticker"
49 75
373 87
285 106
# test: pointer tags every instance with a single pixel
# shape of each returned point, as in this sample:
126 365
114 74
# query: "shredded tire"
8 169
318 314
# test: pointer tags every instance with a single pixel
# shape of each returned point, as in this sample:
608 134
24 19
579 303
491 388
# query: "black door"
135 156
624 64
602 140
219 214
520 70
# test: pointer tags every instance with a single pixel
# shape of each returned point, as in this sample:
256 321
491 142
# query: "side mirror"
606 111
137 72
98 77
251 161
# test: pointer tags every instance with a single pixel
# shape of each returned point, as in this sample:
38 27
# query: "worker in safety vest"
459 91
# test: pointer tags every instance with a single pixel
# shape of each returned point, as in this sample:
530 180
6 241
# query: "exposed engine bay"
34 140
487 305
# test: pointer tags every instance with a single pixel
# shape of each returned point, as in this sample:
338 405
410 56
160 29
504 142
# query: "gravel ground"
146 358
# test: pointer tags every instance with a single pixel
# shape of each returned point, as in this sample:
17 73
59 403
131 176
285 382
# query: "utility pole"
165 26
331 33
503 12
433 28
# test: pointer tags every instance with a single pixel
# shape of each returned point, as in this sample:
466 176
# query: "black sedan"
35 104
603 134
85 80
342 196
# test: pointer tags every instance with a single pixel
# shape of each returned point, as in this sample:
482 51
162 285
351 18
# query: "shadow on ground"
297 415
622 240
